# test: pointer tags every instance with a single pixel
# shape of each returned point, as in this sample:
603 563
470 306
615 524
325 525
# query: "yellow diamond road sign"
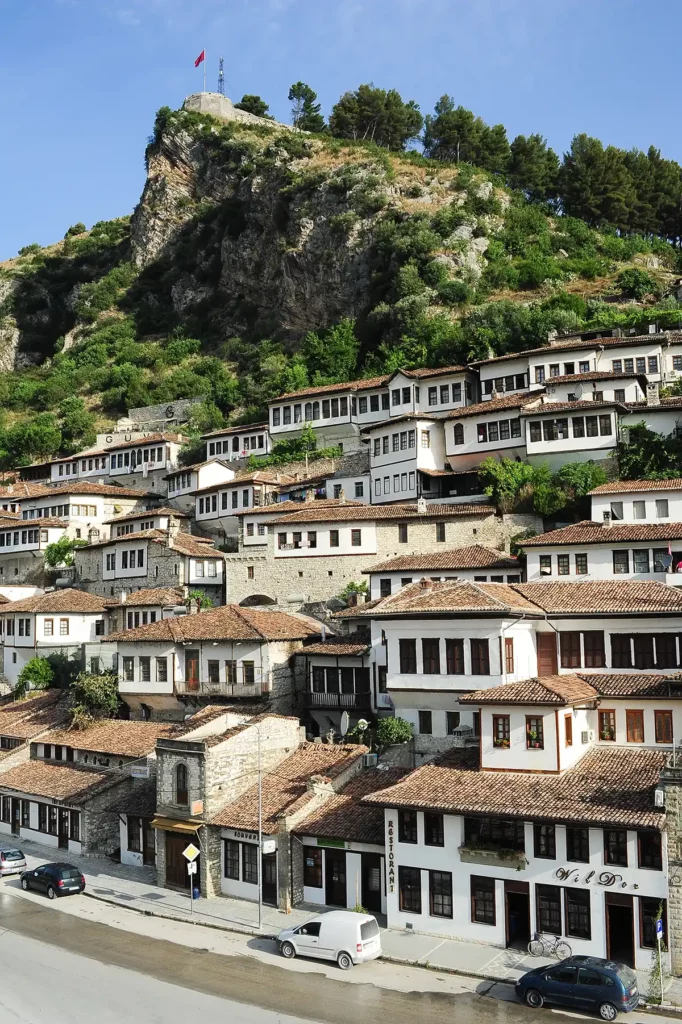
191 852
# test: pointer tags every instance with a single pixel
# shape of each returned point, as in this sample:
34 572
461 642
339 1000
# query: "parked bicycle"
549 945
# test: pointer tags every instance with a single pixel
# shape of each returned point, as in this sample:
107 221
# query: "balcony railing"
359 701
205 688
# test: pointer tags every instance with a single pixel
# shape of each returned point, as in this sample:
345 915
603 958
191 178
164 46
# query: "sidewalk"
135 889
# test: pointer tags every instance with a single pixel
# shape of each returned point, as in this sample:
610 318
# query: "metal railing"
339 700
204 687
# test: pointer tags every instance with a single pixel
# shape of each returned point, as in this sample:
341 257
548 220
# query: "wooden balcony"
342 701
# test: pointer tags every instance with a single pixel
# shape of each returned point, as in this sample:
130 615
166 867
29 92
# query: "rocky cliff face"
276 229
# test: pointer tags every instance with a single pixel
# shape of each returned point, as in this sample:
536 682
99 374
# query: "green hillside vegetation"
105 336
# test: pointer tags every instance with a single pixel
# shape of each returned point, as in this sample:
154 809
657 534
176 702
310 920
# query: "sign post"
659 936
191 853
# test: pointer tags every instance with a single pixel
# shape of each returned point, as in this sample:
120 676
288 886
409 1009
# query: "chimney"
342 497
323 633
173 528
607 520
421 506
653 396
494 394
424 583
124 596
309 495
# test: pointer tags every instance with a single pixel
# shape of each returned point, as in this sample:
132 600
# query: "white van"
340 935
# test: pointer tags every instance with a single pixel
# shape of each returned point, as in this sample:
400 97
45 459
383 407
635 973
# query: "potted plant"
534 739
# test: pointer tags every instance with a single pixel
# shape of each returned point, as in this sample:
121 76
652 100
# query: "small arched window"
316 410
459 433
181 794
308 411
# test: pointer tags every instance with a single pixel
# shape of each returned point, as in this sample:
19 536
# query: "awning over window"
171 825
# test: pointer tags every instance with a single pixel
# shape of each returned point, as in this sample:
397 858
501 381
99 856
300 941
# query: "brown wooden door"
620 928
269 869
176 864
517 914
63 829
371 881
192 670
547 659
148 843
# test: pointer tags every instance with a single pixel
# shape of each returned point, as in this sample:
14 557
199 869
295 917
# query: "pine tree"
254 105
533 168
305 112
375 114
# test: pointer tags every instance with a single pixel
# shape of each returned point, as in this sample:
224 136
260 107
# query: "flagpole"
204 70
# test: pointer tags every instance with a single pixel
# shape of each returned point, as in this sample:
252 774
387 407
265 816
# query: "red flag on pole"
200 58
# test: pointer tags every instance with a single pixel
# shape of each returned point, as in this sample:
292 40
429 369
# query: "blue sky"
80 80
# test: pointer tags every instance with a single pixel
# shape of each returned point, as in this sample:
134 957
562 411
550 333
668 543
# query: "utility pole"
221 76
260 835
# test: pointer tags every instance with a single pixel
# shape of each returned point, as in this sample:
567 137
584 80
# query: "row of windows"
639 509
181 482
9 539
134 619
240 861
564 565
137 457
452 718
398 442
132 559
512 382
48 818
207 568
228 499
250 443
401 482
535 735
156 670
297 541
250 529
509 833
145 666
554 370
638 365
454 656
310 411
440 395
501 430
634 726
582 426
53 511
340 680
628 650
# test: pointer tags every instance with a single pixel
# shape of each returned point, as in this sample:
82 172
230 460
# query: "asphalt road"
64 970
61 969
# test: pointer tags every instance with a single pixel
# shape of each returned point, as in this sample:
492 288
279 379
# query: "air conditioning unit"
670 375
584 737
370 760
592 735
659 797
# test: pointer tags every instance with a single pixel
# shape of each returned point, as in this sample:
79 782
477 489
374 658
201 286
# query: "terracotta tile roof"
148 597
27 718
229 622
354 611
164 510
120 738
58 781
642 685
240 428
75 487
359 512
323 389
543 408
664 403
622 486
425 372
286 507
352 645
68 600
185 543
475 557
568 689
590 532
197 465
607 788
403 418
574 344
454 596
345 816
570 378
23 489
12 522
285 787
257 476
149 439
602 596
514 401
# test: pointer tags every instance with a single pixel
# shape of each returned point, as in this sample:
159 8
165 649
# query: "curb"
651 1010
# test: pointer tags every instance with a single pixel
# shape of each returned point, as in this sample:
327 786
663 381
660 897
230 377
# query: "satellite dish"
345 722
578 392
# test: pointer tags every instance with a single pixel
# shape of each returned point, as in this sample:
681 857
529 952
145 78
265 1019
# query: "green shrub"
37 674
453 293
636 283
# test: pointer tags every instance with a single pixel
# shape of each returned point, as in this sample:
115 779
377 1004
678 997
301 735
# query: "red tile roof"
323 389
590 532
229 622
512 401
455 596
285 788
621 486
542 408
286 507
359 512
239 428
257 476
570 378
475 557
147 597
73 785
568 689
68 600
164 510
642 685
606 788
345 816
118 738
76 487
352 645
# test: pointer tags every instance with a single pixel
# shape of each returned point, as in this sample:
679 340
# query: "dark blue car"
582 983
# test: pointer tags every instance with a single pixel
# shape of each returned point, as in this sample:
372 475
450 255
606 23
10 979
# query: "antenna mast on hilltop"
221 76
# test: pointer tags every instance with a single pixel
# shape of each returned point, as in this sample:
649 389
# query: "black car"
582 983
54 879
